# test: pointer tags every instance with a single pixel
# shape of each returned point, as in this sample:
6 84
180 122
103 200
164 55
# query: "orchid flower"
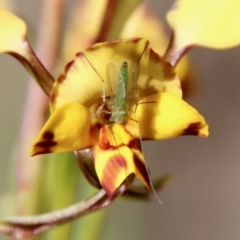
157 113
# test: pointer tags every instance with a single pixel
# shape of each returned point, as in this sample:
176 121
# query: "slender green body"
119 108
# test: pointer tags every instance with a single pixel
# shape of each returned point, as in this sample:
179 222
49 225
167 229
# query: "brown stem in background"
22 227
36 68
29 170
173 55
107 20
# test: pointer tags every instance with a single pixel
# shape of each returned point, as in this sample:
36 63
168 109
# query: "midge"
125 93
119 109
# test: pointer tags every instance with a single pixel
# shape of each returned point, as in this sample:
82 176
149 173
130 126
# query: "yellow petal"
79 83
141 170
130 50
13 41
117 135
83 79
12 33
116 157
164 115
156 75
114 165
67 129
212 23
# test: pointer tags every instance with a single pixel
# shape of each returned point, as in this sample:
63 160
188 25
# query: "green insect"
122 98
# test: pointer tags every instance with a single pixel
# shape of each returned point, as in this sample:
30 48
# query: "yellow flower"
213 24
81 103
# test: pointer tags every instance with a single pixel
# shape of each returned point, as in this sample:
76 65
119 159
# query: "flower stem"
173 54
29 171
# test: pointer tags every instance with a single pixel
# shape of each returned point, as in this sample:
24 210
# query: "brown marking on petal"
135 40
103 139
52 98
113 42
142 169
168 71
163 88
153 55
47 144
80 55
94 132
111 171
132 141
192 129
62 77
43 151
48 135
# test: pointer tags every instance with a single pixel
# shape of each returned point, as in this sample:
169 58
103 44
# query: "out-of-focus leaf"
96 220
60 188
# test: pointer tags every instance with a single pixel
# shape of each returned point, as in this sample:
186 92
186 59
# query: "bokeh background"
204 200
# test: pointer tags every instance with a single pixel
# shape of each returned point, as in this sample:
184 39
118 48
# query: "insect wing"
132 89
112 80
121 91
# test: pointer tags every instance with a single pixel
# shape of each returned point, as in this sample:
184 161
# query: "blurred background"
204 200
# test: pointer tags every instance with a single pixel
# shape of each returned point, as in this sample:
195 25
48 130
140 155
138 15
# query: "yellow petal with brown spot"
12 33
113 166
67 129
79 83
157 75
164 115
116 157
130 50
118 136
212 23
154 73
84 79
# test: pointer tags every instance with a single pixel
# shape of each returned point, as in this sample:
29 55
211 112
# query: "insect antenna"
132 90
147 169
